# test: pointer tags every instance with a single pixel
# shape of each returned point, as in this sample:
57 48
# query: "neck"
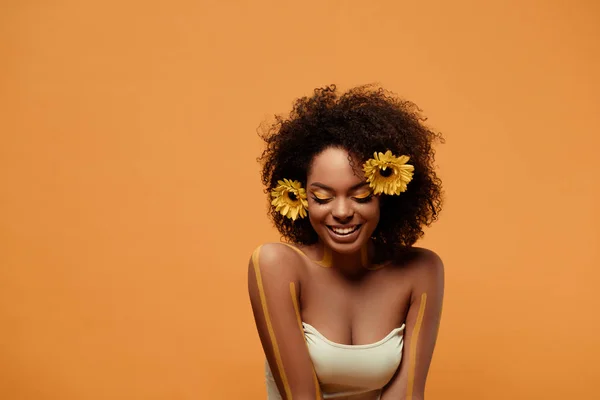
350 264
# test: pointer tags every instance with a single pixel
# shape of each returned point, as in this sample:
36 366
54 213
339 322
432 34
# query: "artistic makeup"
263 302
265 309
342 208
414 340
295 296
320 197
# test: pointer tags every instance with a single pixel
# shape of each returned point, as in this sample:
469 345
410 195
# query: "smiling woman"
344 210
351 185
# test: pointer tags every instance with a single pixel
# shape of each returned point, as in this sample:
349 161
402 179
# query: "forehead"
332 167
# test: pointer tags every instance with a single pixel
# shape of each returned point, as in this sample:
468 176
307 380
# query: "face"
341 206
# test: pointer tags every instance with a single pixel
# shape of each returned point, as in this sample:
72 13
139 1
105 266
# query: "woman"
348 308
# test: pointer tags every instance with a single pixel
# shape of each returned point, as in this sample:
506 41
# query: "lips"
344 230
344 234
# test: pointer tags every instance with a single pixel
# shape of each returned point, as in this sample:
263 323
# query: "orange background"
130 199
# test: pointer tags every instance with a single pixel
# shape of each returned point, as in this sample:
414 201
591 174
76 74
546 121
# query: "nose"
342 210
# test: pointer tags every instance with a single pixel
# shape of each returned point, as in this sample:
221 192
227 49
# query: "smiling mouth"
344 231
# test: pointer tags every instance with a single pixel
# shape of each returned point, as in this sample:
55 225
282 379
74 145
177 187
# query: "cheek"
370 214
317 212
371 210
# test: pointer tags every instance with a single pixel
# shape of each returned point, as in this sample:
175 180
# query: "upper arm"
422 323
273 285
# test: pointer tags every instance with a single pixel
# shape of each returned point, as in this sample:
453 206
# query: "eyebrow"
323 186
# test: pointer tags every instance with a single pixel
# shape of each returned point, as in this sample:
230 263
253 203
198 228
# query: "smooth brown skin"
331 177
347 303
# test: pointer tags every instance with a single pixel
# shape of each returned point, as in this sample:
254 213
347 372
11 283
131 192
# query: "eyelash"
365 199
358 200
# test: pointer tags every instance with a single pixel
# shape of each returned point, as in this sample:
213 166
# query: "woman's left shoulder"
421 261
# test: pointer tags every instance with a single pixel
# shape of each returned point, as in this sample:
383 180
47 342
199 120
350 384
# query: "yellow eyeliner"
299 318
413 347
363 195
320 196
263 302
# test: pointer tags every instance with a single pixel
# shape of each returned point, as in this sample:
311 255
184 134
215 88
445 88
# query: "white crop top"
349 372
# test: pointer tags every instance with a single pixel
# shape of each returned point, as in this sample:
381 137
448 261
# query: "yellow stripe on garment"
263 301
413 347
299 318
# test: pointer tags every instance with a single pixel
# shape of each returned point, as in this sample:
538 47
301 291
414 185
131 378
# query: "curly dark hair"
362 121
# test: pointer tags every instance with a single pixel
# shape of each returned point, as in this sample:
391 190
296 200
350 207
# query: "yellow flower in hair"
387 173
289 199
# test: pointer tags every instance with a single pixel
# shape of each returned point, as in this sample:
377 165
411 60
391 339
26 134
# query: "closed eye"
364 197
321 200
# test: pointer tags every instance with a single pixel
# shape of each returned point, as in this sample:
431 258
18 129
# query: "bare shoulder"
277 260
424 265
430 263
429 272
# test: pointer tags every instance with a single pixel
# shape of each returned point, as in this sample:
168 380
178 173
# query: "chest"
355 312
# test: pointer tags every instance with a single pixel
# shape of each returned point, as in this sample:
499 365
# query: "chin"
345 248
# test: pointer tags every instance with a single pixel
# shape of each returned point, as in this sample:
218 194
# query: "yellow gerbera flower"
387 173
289 199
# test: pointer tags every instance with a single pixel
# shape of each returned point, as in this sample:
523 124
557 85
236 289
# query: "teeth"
344 231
